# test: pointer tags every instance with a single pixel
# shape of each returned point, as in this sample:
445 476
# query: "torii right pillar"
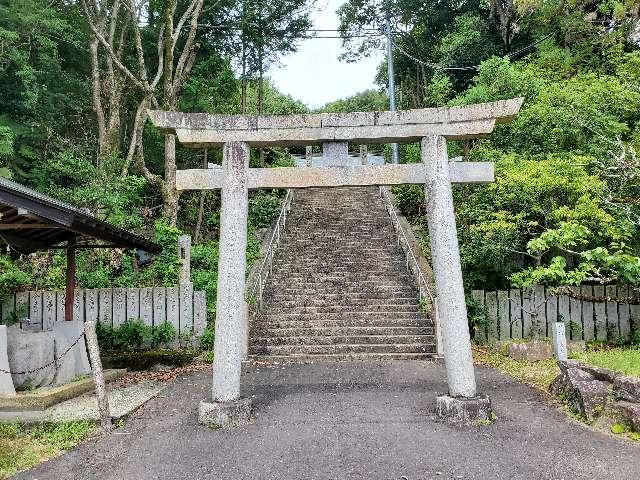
462 404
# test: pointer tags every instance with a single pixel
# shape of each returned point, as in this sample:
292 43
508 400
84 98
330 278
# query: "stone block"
6 383
463 410
225 414
586 394
599 373
630 412
627 387
576 346
28 351
75 362
530 351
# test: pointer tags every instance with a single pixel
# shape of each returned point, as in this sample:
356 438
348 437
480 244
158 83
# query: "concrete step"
341 349
309 340
278 322
303 358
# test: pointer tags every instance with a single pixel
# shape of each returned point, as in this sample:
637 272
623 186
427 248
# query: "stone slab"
76 361
464 410
6 382
294 177
44 398
122 402
225 415
357 127
29 351
530 351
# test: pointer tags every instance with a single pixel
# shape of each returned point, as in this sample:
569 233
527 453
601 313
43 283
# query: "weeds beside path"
22 447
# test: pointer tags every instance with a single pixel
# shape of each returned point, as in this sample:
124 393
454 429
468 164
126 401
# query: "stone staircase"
339 288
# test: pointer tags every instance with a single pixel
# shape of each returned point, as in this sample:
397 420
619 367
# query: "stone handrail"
258 277
416 264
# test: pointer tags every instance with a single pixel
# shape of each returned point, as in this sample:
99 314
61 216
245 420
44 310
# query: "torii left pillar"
227 407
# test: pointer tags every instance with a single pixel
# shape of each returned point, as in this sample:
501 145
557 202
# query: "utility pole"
392 83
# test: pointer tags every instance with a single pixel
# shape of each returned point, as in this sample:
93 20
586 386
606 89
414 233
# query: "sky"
314 74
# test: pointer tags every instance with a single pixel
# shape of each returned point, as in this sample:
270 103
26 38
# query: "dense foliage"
73 78
565 206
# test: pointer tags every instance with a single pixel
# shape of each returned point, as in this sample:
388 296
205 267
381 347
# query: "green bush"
206 339
264 209
131 335
163 334
409 199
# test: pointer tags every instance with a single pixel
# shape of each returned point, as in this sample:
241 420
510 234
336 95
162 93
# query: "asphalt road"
349 421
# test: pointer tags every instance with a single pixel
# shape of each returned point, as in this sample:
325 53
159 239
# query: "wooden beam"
28 226
70 280
302 177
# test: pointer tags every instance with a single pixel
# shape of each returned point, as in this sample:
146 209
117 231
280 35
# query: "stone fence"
591 312
185 309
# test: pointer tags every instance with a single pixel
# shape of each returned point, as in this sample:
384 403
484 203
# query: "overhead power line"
436 66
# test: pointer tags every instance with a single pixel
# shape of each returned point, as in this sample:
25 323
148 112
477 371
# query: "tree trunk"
198 228
170 194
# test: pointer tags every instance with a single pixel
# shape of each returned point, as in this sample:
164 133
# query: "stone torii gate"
237 133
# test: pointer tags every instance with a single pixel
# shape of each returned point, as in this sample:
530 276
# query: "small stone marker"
6 383
560 341
184 254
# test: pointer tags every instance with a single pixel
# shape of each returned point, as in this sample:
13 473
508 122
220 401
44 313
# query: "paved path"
349 421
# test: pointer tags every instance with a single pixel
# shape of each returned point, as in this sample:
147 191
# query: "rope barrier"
46 365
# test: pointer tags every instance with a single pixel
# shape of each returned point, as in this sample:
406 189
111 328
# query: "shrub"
264 209
163 334
206 339
131 335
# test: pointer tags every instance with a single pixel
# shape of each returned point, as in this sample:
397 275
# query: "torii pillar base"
225 415
464 410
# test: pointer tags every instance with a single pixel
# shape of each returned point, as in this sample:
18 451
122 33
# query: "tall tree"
173 57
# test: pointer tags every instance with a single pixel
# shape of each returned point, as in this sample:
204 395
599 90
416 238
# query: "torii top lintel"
456 123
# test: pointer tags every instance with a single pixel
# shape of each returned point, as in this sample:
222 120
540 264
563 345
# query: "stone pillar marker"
6 382
452 310
364 154
308 155
560 341
227 408
335 153
184 254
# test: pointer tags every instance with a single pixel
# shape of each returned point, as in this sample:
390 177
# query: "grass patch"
537 374
625 360
22 446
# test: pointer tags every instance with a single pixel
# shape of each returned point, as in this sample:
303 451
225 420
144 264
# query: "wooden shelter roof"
31 221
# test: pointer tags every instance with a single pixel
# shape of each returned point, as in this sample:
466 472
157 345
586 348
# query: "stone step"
341 349
351 289
322 302
329 285
384 307
308 340
314 322
314 296
302 358
259 330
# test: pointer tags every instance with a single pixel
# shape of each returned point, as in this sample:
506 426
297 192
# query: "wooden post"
98 377
71 280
